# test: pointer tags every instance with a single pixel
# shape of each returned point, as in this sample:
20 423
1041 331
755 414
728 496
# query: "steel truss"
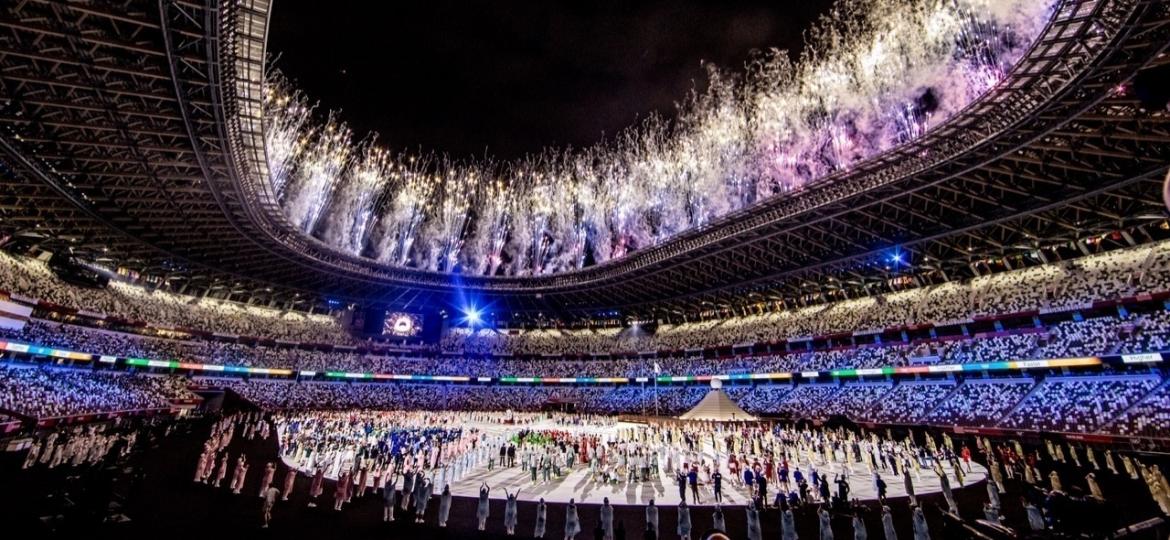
130 133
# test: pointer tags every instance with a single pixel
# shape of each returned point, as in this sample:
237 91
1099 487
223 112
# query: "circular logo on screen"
403 325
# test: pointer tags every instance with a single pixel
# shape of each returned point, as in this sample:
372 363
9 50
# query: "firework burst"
875 74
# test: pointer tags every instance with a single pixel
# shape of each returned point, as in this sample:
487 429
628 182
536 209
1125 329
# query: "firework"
412 186
449 217
360 195
285 137
875 74
317 174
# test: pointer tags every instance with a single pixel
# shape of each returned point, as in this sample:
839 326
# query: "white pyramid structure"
717 406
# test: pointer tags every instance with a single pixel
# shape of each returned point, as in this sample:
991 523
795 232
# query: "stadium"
910 281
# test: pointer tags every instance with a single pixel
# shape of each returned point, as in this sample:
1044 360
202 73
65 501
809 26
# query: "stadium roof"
131 134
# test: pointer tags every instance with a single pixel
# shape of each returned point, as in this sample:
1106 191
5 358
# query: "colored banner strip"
1145 358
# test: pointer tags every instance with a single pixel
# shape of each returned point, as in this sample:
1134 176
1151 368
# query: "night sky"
509 78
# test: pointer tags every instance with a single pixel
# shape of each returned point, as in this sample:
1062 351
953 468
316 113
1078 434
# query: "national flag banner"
14 316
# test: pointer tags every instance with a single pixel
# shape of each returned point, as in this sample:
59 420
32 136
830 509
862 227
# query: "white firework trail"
875 74
497 207
317 175
353 214
412 185
287 114
448 221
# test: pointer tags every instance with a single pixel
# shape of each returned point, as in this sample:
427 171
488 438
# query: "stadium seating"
1135 403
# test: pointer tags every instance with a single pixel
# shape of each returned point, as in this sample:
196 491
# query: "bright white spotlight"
472 316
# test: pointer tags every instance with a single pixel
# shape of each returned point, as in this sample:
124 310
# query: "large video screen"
399 324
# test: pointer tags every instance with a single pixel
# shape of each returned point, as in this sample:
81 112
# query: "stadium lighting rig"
472 316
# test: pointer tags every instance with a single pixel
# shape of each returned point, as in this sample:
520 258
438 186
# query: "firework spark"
875 74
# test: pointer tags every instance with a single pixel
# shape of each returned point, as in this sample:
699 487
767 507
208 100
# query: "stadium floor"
155 491
582 487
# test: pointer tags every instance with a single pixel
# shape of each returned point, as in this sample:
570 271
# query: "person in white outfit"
444 505
652 518
510 512
572 521
482 509
684 520
921 531
826 524
787 525
888 524
859 532
719 522
541 519
753 522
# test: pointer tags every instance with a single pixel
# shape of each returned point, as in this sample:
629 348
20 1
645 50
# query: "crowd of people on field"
410 460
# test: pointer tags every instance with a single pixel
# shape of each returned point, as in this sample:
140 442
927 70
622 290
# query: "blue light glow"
472 316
